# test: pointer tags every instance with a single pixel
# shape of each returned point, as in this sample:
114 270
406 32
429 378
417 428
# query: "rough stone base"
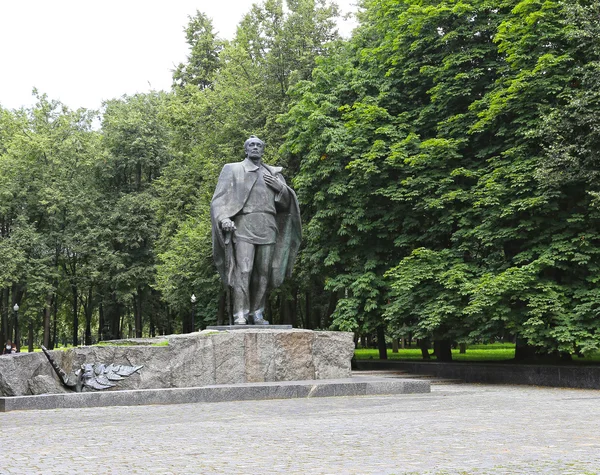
193 360
249 327
357 386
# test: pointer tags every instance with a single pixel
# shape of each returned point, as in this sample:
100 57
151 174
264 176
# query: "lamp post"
193 300
17 336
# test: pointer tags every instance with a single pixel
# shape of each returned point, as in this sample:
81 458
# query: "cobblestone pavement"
459 429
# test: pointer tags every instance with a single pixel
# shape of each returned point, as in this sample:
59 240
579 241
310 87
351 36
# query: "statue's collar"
250 166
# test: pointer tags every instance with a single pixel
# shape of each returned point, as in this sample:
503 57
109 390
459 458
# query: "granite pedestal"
211 357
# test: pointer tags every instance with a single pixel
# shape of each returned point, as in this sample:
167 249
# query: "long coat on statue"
232 191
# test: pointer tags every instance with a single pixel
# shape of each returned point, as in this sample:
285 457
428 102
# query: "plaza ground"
457 429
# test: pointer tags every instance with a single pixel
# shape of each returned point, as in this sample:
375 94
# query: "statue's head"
254 147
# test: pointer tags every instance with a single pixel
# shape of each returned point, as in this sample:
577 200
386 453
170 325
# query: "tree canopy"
444 156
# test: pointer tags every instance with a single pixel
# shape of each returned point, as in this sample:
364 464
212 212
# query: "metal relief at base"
93 376
256 232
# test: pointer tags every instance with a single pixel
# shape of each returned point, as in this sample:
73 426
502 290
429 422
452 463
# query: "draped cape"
232 191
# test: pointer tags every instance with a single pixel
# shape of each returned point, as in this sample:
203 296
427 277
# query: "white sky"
82 52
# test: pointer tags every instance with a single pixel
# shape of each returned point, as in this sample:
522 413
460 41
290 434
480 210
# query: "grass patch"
130 343
495 352
161 343
414 354
112 343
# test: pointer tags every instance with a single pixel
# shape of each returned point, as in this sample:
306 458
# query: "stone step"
367 385
399 374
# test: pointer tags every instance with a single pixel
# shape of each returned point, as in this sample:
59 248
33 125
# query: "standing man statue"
256 231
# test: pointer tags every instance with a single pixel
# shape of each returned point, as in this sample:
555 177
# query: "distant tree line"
445 158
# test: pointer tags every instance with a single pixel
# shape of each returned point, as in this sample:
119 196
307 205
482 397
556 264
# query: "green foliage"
273 48
450 147
203 61
445 158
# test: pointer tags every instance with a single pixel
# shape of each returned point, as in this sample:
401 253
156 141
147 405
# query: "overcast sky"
82 52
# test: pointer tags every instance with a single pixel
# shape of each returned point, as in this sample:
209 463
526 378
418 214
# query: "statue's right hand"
227 225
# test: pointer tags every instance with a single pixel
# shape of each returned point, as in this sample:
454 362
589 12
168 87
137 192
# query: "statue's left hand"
274 183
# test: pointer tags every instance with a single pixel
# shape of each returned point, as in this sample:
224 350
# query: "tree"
203 61
137 139
272 49
47 168
428 141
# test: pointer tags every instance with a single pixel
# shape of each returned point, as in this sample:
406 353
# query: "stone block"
293 355
332 353
228 355
44 384
193 360
17 370
260 356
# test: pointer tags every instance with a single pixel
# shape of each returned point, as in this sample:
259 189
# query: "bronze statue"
256 231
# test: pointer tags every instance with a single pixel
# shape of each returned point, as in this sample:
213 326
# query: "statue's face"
255 149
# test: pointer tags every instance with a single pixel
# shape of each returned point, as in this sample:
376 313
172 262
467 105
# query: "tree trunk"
381 342
395 345
3 317
17 339
17 297
333 300
88 309
286 311
294 316
152 327
169 322
122 323
75 315
524 351
307 315
423 344
47 316
463 348
443 350
137 312
101 329
6 312
112 317
54 341
186 321
300 313
30 337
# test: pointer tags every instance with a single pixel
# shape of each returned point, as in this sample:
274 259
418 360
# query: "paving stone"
456 429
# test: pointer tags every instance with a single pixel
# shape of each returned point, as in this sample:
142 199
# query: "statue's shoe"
240 321
257 317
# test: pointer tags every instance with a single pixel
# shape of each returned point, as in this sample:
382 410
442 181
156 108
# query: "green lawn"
415 354
490 352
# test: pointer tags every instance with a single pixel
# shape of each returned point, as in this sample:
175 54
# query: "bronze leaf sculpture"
95 376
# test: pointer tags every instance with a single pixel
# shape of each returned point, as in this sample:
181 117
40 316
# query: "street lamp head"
16 307
193 298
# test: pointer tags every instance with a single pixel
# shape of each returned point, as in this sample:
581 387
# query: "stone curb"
559 376
357 386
